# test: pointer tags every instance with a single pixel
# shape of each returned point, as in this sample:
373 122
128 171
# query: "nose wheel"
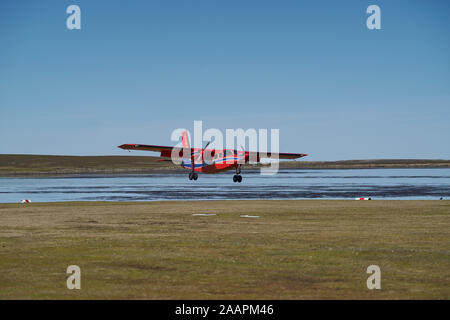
193 175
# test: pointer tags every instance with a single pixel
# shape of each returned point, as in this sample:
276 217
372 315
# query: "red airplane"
209 160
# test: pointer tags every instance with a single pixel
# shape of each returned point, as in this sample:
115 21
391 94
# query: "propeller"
242 149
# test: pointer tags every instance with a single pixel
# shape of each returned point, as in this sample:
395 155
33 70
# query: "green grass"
302 249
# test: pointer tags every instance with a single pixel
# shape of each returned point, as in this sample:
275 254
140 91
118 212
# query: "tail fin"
185 140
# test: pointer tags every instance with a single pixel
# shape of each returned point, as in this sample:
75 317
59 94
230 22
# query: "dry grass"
367 164
303 249
17 164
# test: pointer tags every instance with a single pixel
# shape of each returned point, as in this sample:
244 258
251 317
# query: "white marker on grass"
204 214
247 216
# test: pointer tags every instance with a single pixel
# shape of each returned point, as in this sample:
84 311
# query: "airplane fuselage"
219 160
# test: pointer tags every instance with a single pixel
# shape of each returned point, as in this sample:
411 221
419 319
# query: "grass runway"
296 249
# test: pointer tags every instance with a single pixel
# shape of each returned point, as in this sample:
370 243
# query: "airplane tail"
185 140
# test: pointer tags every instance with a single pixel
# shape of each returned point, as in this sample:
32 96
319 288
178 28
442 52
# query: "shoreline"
4 205
127 174
179 171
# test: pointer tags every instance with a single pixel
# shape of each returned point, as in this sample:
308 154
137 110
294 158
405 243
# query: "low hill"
367 164
19 165
14 164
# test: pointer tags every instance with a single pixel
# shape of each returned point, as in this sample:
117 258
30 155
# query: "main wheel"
191 175
195 177
239 178
235 178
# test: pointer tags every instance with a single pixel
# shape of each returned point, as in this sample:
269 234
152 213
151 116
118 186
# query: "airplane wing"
166 152
145 147
259 155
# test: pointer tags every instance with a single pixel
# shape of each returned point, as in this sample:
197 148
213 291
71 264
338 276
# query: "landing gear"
237 177
193 175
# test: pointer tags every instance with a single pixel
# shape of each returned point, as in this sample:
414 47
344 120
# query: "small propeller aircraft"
209 160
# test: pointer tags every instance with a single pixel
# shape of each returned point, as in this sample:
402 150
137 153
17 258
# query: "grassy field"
303 249
23 165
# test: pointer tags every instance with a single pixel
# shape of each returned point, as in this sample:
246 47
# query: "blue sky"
139 69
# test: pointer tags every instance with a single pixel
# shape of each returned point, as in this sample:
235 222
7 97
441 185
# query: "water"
287 184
